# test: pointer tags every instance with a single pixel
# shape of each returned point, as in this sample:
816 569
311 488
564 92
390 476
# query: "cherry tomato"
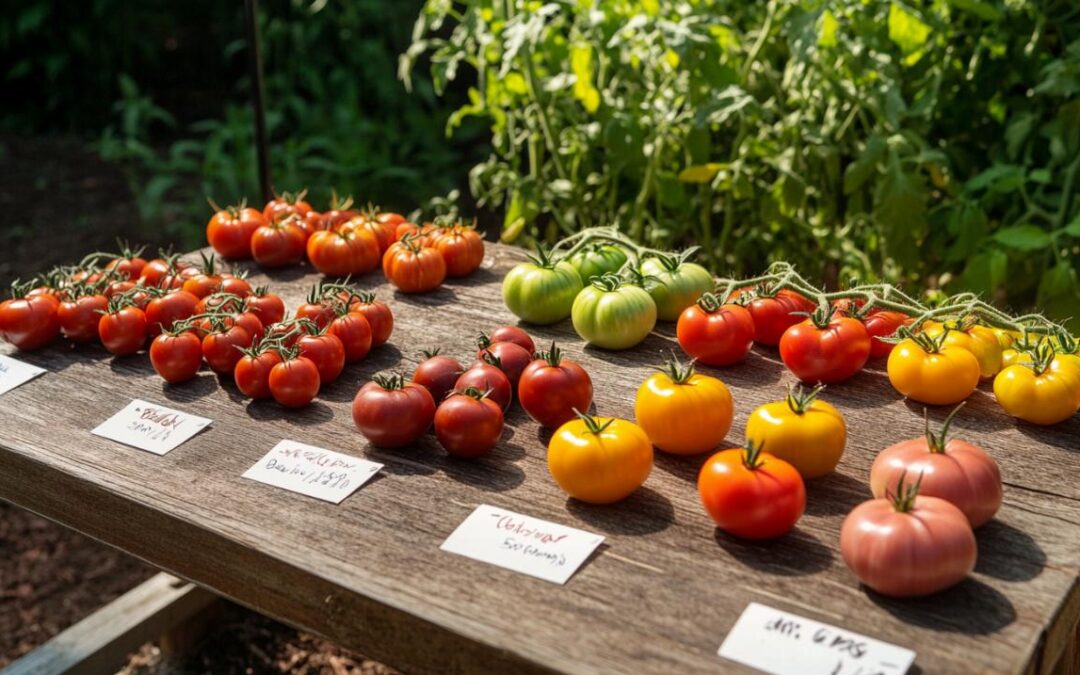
165 310
222 347
413 268
294 382
229 231
378 315
269 307
437 374
342 254
176 357
391 412
340 212
252 372
79 317
468 423
774 314
354 331
825 349
30 323
237 286
509 357
883 324
326 352
511 334
203 284
751 494
128 265
485 376
123 330
461 247
278 244
552 388
715 334
316 310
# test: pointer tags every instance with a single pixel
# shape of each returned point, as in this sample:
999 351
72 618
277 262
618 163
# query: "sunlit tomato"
552 388
269 307
981 341
468 423
313 222
391 412
383 236
509 357
128 265
715 334
802 430
378 315
326 352
165 310
79 317
774 314
599 460
222 347
883 324
287 204
675 284
30 323
613 314
123 330
249 322
118 287
485 376
510 334
237 286
203 284
909 545
461 248
341 254
956 471
437 373
420 233
278 243
823 349
541 291
340 212
354 331
163 272
176 357
252 372
683 412
751 494
294 382
229 231
316 310
413 268
1038 393
928 371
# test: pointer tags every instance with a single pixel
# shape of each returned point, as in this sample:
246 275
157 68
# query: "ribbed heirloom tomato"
437 373
344 253
599 460
674 284
391 412
542 290
802 430
683 412
413 268
468 423
287 204
715 334
461 248
750 493
613 313
230 229
552 388
825 348
278 243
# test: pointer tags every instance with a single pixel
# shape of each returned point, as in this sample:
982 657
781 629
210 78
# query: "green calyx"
937 442
390 382
800 400
709 303
675 369
608 282
751 455
903 500
593 424
553 356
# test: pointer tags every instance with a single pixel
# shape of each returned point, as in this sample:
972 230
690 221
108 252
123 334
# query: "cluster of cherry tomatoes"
345 242
466 406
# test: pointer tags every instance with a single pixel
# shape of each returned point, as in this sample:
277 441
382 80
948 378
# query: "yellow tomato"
683 412
1046 397
934 374
1013 357
1006 338
807 433
979 340
600 460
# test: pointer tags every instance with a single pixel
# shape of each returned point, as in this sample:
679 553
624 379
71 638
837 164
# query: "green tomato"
677 285
541 291
597 260
613 314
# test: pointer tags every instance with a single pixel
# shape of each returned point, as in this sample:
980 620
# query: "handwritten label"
315 472
151 427
527 545
14 372
778 642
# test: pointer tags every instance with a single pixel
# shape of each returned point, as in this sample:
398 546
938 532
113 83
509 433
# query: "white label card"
14 372
782 643
151 427
523 544
315 472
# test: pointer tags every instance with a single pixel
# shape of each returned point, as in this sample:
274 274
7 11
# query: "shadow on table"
201 386
797 553
384 359
314 413
835 495
981 413
491 473
1008 553
971 607
646 511
686 467
1064 436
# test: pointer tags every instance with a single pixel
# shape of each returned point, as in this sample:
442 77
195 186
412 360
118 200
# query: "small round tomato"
327 353
202 281
235 285
751 494
825 348
278 243
165 310
599 460
128 264
269 307
774 314
928 370
437 373
613 314
956 471
1037 392
413 268
30 323
510 334
596 260
908 545
79 317
287 204
294 382
222 346
509 357
252 372
461 248
487 377
675 284
342 254
883 324
230 229
378 315
802 430
176 357
683 412
122 329
317 310
715 334
552 389
354 331
541 291
468 423
391 412
340 212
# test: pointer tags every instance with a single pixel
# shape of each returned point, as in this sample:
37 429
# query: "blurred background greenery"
931 142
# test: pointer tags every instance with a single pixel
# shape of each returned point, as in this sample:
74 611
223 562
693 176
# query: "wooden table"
660 595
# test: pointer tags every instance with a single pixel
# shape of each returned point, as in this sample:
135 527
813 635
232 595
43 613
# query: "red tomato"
883 324
203 284
383 237
278 244
354 331
391 412
123 330
230 229
751 494
316 310
468 423
551 388
269 307
827 354
294 382
252 372
287 204
908 546
715 334
163 311
484 376
462 249
508 357
30 323
222 347
129 265
326 352
237 286
437 374
509 334
412 267
378 315
342 254
774 315
340 212
79 317
176 357
249 322
956 471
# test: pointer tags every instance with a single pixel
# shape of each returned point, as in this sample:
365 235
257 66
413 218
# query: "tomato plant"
468 423
715 334
683 412
613 314
391 412
751 494
802 430
553 389
542 290
674 283
412 267
825 348
437 373
599 460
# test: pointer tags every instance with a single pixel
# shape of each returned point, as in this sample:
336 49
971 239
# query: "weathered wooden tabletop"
659 596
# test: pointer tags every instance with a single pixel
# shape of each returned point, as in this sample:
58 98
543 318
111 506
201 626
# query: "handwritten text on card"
14 372
315 472
151 427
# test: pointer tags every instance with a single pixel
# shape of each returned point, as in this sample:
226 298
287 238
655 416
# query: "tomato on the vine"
391 412
613 314
437 373
683 412
123 328
825 348
222 346
675 284
468 423
774 313
31 322
129 264
269 307
377 313
541 291
79 316
354 331
165 310
930 370
326 351
252 372
413 268
230 229
600 460
751 494
176 356
881 325
981 341
552 388
715 334
294 382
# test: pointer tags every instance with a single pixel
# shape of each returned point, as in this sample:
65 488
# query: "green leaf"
906 29
900 210
701 173
985 272
1023 237
857 173
1059 292
1001 178
1073 228
827 31
980 8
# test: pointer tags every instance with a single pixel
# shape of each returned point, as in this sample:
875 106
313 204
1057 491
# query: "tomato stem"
903 499
593 423
751 455
937 443
800 400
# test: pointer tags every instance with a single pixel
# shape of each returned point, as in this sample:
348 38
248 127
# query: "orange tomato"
461 248
413 268
751 494
344 253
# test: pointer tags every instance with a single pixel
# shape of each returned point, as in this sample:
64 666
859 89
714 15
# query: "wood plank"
659 597
101 642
